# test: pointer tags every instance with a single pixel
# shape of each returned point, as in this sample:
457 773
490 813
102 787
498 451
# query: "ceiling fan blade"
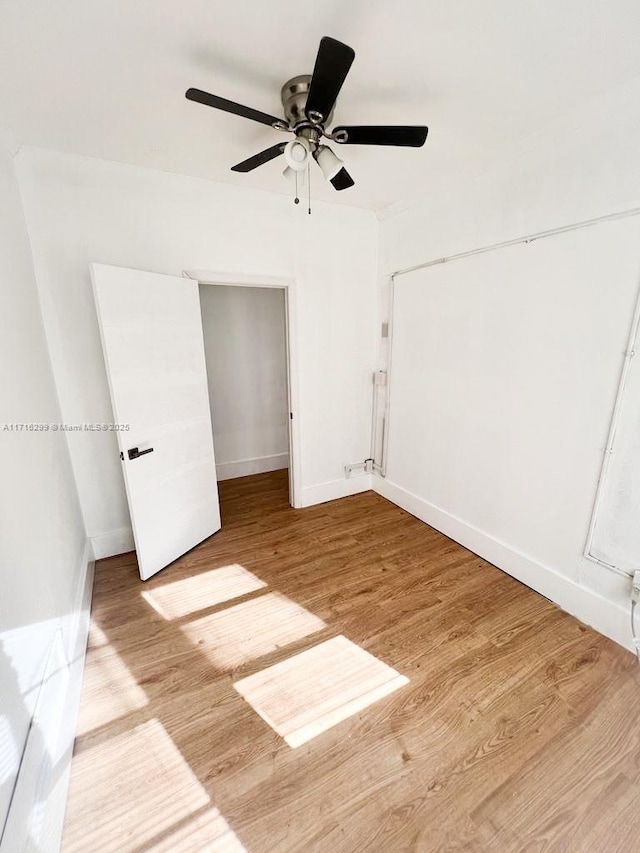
231 107
260 159
333 62
406 135
343 180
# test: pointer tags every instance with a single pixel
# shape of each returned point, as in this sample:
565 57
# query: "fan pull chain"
309 185
296 199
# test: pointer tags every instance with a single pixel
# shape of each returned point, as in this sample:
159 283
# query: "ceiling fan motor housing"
294 100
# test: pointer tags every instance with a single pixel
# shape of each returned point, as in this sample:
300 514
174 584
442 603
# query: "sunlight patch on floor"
318 688
252 629
97 636
136 779
180 598
208 832
109 690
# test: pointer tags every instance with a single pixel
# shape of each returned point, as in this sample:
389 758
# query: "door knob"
133 452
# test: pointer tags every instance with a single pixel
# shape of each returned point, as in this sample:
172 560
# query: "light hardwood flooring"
518 731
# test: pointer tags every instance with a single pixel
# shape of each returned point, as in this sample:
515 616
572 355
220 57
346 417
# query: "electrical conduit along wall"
245 350
505 365
615 534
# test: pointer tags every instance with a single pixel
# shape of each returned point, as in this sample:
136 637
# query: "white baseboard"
112 542
36 814
246 467
335 489
606 616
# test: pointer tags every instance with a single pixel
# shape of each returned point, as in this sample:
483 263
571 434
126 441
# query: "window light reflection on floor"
97 636
206 831
180 598
109 690
251 629
155 803
310 692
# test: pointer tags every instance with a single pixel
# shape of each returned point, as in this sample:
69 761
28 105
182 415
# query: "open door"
151 333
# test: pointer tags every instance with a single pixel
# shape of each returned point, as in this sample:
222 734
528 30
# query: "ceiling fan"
308 101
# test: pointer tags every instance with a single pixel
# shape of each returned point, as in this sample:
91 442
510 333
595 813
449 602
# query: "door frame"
214 277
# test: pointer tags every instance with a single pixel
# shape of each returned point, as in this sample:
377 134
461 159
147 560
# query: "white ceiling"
107 79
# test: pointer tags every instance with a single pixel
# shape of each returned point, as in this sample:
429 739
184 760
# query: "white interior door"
151 331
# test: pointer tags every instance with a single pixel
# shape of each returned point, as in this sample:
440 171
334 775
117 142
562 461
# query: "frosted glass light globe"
296 154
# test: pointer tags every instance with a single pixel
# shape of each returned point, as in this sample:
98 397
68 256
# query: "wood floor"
518 730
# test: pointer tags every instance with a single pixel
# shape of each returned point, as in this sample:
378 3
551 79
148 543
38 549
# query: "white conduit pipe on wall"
540 235
374 423
608 450
381 468
387 407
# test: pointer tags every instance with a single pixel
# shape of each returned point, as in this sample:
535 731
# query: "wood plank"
516 732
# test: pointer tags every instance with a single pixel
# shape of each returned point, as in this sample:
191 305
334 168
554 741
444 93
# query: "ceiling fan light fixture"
328 162
296 153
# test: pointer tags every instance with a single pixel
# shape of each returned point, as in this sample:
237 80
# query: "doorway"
153 343
247 355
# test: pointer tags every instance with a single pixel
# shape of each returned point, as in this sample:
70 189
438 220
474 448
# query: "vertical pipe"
387 410
613 428
374 423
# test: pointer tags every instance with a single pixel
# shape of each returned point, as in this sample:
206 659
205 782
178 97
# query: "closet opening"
247 354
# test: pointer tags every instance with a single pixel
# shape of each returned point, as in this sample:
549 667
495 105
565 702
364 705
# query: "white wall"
245 350
583 166
43 562
81 210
